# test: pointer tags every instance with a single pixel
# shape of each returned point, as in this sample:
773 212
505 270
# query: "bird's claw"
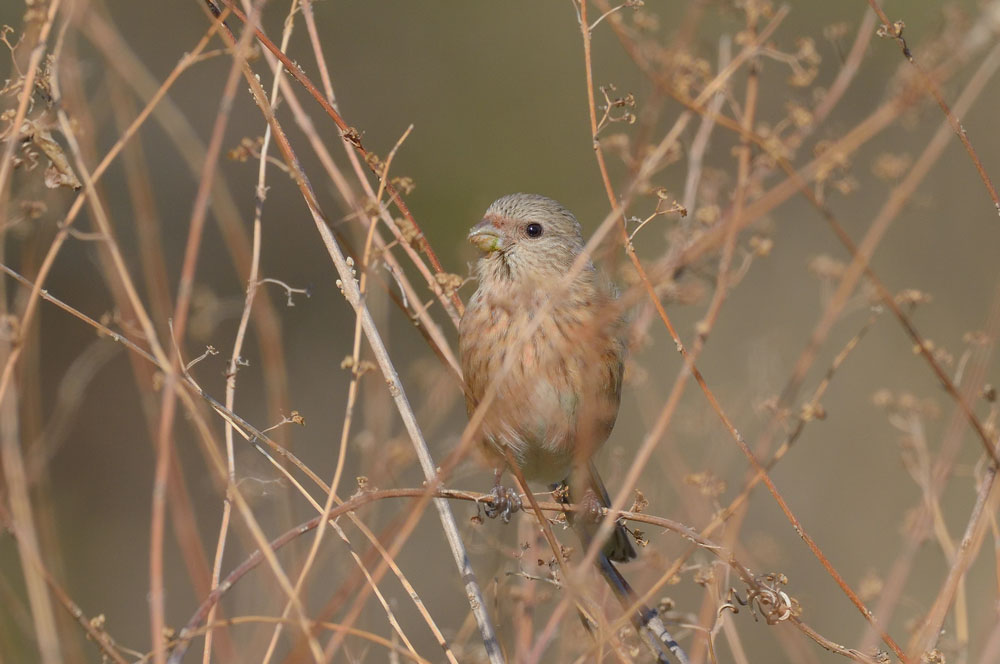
505 502
591 507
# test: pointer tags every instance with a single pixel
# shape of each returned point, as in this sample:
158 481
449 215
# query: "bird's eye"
533 230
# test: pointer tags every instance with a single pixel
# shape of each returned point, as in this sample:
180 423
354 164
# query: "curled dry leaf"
59 173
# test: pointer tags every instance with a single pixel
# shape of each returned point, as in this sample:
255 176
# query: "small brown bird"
559 399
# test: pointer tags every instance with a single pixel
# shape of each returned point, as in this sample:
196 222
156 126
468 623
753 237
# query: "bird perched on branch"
547 339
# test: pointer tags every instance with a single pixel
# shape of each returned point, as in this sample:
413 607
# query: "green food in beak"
486 237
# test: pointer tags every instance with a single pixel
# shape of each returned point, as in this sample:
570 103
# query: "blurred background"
496 95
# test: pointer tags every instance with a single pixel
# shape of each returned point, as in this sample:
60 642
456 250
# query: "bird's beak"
486 236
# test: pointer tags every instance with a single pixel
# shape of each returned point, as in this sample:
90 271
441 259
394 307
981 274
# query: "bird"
553 349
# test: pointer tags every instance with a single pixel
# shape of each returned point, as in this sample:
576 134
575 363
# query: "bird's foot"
505 502
591 507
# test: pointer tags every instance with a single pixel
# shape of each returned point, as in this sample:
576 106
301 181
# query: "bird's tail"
619 547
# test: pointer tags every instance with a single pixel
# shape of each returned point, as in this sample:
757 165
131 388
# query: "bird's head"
526 237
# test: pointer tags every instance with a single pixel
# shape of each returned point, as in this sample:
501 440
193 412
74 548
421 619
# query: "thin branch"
348 133
353 296
97 634
895 31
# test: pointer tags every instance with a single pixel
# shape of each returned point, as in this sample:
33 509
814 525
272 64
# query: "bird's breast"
554 370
